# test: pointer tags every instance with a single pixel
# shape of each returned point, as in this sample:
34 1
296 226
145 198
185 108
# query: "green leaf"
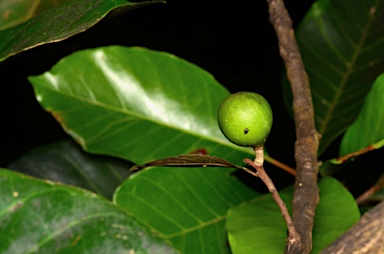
330 167
368 128
257 226
59 23
44 217
342 45
15 12
187 206
65 162
136 104
336 213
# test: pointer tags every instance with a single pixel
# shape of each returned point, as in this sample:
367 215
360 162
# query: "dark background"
234 42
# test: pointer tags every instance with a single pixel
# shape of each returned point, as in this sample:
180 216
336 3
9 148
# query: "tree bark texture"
306 195
365 237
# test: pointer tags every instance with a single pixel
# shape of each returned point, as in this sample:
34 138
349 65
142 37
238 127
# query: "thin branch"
293 236
255 174
306 196
375 188
281 165
354 154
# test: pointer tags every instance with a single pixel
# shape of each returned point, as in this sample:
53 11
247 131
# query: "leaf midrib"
52 235
197 227
140 116
348 72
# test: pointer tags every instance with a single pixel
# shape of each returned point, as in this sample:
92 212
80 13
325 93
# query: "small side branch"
281 165
293 236
306 195
375 188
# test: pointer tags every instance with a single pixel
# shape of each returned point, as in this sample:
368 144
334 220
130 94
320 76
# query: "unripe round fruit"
245 118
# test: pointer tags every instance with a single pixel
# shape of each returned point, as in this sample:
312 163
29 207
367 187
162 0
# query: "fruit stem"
293 236
259 159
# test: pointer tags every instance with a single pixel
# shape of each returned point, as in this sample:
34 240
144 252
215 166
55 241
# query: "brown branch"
306 195
293 236
281 165
255 174
366 236
355 154
375 188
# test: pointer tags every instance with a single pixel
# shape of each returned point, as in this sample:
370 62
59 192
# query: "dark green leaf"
44 217
364 209
197 160
368 129
186 206
136 104
65 162
365 134
257 226
56 24
15 12
329 167
342 45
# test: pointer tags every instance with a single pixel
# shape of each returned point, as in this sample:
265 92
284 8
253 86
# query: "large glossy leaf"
15 12
342 45
67 163
368 129
43 217
185 205
365 134
59 23
258 227
136 104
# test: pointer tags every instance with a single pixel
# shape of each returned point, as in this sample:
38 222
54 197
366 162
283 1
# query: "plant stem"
346 157
259 159
284 167
306 193
281 165
375 188
293 236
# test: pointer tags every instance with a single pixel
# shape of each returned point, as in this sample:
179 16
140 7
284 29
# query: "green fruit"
245 118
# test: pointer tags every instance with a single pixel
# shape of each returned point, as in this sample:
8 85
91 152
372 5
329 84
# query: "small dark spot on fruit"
246 130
